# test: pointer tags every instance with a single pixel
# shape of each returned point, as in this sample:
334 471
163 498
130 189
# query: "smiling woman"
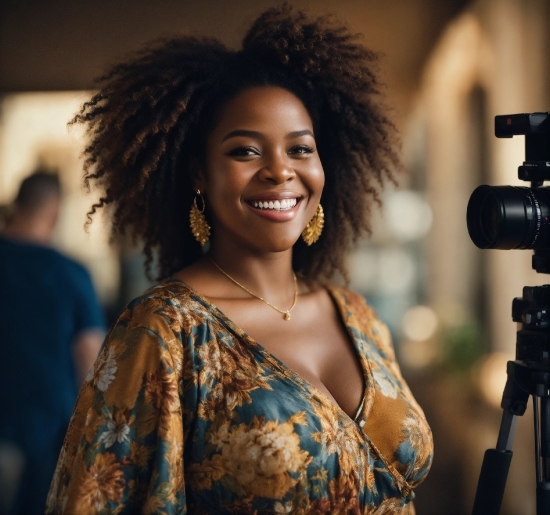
244 382
262 149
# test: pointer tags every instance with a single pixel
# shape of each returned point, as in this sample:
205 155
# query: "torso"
237 432
313 343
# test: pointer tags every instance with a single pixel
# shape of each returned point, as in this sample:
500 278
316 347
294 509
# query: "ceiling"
59 45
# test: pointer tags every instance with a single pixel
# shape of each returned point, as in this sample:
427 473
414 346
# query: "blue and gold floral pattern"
184 413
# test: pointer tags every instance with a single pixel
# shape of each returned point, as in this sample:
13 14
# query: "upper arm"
88 311
124 445
89 324
86 347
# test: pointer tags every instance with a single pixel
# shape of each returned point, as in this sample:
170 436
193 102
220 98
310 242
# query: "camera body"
511 217
536 128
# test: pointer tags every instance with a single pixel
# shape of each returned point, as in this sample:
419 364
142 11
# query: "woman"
244 382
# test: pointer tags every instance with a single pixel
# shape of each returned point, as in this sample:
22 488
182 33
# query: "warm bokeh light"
452 313
415 354
407 215
490 374
419 323
419 348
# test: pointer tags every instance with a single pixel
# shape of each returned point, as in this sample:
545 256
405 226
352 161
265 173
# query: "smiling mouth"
275 205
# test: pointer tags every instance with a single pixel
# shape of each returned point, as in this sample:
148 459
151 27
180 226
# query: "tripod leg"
507 431
545 438
542 444
496 462
543 498
494 470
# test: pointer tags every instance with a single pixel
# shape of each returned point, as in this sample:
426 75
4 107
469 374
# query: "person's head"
153 121
261 151
37 205
37 190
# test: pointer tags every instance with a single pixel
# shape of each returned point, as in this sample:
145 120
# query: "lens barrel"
509 217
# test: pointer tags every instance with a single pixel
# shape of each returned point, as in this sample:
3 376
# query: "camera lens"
490 213
509 217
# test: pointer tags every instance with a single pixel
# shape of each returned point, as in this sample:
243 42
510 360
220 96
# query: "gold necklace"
285 313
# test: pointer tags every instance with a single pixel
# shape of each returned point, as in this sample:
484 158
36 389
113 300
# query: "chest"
273 436
314 344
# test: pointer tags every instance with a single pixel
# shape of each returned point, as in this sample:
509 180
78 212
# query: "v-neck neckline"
368 390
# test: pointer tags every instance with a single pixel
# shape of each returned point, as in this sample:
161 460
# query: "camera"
511 217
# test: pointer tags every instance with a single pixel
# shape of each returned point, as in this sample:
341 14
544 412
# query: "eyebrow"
259 135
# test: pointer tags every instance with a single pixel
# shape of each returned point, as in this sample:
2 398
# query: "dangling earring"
197 221
315 227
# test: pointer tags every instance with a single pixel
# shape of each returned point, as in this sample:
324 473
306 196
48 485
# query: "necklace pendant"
287 316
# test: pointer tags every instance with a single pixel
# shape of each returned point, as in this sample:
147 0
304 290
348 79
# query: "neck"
28 228
268 275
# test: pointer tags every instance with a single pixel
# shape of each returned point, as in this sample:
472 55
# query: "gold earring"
315 226
197 221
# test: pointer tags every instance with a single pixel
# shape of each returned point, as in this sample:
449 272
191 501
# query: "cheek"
319 177
226 184
322 178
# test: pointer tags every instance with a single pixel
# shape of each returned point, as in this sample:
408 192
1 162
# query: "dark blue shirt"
46 300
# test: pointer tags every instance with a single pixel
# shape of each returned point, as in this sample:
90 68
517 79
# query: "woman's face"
263 177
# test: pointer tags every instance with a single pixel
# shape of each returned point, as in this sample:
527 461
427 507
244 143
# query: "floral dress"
183 412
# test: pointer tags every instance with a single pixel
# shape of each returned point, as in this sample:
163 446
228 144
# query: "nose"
277 169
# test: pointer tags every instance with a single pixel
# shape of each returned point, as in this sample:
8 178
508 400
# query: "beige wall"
499 47
498 51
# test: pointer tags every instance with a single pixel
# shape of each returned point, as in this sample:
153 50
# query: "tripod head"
536 128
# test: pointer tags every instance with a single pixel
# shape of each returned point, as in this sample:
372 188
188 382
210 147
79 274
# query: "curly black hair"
151 117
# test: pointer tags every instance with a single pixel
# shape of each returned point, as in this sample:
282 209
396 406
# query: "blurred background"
449 67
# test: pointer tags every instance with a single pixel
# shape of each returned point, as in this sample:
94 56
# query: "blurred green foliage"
462 346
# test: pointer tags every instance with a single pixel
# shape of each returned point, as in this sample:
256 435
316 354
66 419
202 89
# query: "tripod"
528 376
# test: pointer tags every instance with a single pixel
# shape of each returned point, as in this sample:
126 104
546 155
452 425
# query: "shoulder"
56 261
361 318
50 261
167 323
70 265
350 302
169 306
16 249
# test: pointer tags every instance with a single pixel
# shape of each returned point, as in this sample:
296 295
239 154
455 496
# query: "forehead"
264 108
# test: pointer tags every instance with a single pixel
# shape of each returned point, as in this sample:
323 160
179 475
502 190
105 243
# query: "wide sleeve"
123 450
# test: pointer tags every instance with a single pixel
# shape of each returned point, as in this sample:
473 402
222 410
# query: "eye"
301 150
243 152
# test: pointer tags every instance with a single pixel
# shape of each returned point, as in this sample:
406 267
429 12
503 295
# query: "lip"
272 214
272 195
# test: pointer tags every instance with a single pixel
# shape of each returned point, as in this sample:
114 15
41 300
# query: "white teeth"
276 205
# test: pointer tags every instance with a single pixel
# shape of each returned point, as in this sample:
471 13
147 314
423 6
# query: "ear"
197 174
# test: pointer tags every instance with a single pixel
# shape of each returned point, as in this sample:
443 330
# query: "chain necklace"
285 313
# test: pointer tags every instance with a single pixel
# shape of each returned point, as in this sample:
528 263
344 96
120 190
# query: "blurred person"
246 381
51 330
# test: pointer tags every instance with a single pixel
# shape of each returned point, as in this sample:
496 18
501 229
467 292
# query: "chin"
275 244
